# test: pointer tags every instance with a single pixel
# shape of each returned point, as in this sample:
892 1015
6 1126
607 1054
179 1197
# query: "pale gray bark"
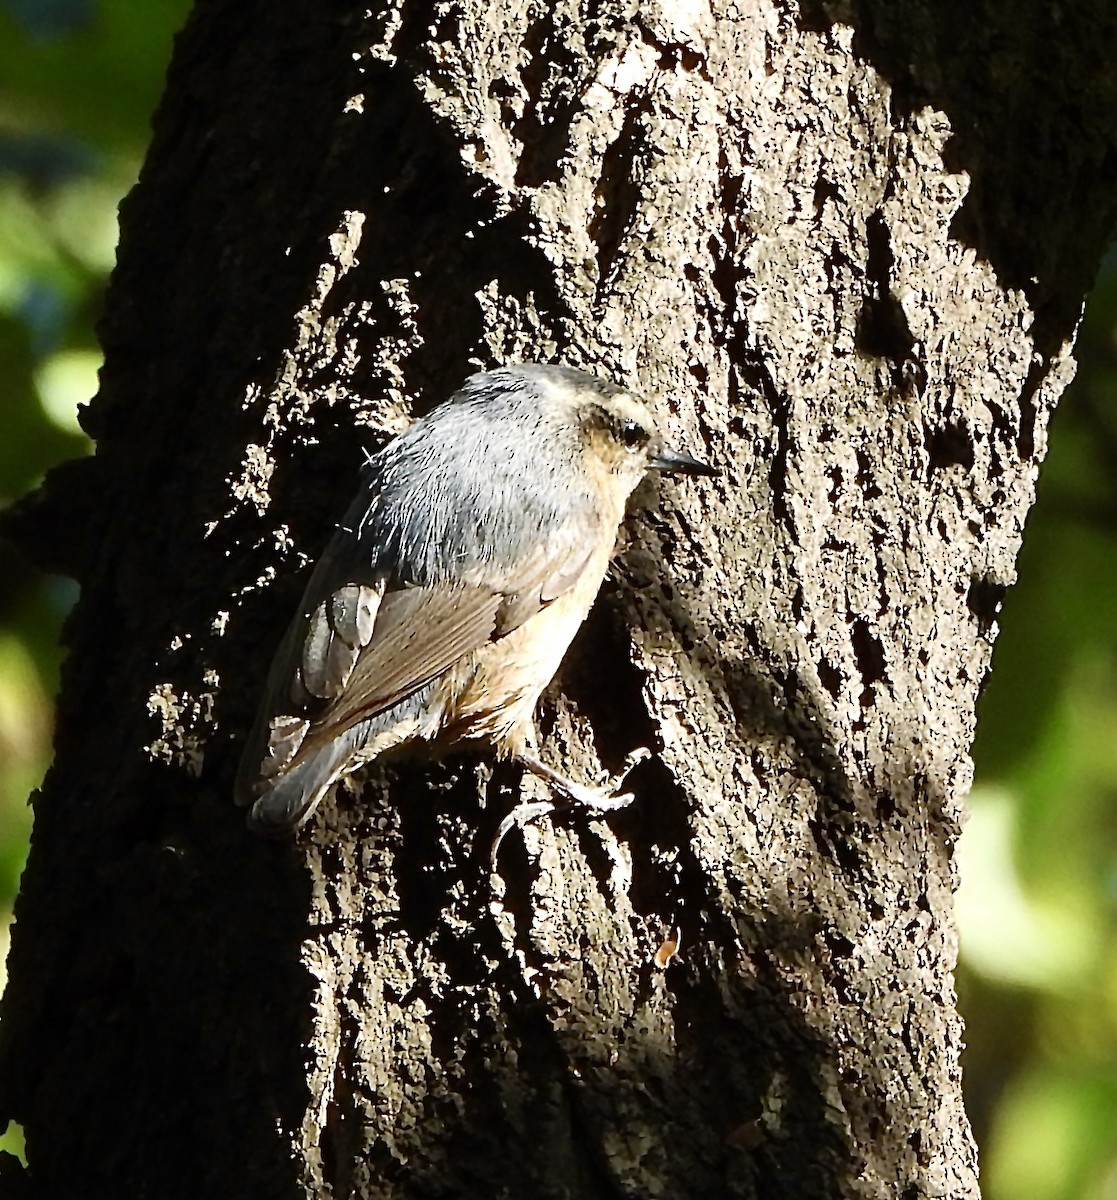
814 240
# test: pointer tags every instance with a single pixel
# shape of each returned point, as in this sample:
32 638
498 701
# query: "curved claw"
631 761
523 814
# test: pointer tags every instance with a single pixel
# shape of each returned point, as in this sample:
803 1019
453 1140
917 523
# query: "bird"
449 592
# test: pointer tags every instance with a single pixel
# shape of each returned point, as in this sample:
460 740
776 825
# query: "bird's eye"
634 435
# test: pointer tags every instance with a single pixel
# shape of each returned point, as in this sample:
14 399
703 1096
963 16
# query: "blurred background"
1038 905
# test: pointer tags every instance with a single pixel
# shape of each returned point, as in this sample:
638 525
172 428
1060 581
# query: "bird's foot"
598 798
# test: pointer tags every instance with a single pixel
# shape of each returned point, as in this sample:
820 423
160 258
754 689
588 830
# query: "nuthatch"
448 595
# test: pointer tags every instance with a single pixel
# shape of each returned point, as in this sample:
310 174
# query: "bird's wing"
420 632
366 646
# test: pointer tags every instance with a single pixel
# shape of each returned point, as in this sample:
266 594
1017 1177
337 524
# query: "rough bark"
844 250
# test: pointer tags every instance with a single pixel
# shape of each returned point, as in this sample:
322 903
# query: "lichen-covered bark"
791 230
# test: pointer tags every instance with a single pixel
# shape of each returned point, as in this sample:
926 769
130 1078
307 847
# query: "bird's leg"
598 799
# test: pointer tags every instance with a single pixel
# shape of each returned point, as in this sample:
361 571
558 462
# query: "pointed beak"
680 463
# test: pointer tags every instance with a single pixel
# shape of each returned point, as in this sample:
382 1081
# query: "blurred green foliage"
1038 979
79 80
1037 911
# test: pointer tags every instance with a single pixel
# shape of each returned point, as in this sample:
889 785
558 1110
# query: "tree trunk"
843 252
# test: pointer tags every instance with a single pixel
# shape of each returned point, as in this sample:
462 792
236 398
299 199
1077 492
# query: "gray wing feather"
353 613
339 628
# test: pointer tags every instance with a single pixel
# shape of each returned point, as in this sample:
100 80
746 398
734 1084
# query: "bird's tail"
284 802
281 798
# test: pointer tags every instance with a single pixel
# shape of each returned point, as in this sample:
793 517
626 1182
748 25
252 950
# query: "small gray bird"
448 595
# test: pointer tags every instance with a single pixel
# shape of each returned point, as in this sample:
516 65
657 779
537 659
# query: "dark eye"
634 435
